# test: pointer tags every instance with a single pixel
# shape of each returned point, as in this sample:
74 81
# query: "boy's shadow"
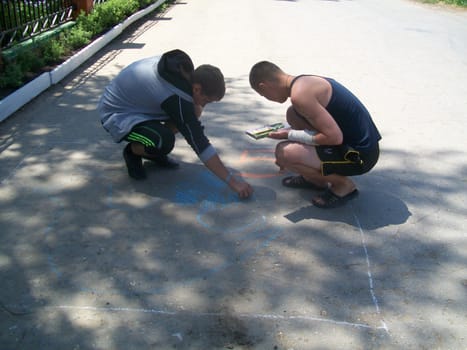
371 210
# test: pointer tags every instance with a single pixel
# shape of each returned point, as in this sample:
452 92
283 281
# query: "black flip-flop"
329 199
298 181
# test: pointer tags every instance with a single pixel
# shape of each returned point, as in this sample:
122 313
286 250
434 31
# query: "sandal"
299 182
329 199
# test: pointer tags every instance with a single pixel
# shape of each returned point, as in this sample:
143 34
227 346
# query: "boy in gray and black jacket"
153 98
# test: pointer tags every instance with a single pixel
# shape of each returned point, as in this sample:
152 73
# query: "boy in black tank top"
332 134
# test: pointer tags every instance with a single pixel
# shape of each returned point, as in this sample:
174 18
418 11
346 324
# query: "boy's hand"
279 134
243 189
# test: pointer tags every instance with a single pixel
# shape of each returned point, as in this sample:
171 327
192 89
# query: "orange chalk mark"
245 157
258 176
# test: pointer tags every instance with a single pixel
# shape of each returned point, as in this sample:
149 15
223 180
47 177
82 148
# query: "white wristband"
303 136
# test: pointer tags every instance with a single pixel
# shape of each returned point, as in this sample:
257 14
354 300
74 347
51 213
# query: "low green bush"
12 77
449 2
78 37
113 12
31 62
53 51
456 2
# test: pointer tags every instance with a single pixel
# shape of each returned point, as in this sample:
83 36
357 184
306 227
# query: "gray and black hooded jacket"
154 89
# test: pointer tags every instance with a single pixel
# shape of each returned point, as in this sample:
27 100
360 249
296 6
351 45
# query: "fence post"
82 5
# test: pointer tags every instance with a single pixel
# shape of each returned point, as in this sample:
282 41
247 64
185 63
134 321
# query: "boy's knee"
165 144
287 152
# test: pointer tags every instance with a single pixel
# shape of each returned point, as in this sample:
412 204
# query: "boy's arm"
327 130
183 115
198 111
183 118
305 100
243 189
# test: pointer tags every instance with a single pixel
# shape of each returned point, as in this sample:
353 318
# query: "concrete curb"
34 88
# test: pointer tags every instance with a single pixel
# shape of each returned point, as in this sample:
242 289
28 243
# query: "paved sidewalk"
90 259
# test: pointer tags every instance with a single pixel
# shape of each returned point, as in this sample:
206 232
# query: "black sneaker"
163 161
134 164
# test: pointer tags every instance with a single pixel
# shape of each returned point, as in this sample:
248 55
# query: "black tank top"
352 117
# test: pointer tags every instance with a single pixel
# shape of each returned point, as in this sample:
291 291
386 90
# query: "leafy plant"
115 11
449 2
27 63
12 77
53 51
77 37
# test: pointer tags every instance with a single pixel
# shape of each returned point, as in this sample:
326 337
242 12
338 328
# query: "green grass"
462 3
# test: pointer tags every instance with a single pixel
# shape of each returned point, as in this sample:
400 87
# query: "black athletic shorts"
344 160
156 137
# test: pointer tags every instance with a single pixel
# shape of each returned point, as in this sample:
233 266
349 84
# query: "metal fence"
24 19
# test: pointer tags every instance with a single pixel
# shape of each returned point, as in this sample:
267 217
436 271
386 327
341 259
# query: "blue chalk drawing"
211 197
203 187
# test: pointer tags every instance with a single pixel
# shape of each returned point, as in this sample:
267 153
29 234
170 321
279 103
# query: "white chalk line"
258 316
218 314
370 277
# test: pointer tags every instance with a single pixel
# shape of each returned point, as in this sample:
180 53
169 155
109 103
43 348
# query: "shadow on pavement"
90 259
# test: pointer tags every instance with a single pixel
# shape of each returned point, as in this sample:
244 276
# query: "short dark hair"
211 80
263 71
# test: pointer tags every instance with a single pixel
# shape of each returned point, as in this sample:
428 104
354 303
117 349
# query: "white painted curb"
20 97
31 90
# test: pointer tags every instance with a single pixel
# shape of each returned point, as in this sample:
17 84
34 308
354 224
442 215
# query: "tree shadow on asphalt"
90 259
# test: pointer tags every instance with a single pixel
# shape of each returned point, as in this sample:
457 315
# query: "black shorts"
344 160
156 137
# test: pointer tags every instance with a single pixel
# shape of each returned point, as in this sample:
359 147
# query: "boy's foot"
329 199
298 181
134 164
163 161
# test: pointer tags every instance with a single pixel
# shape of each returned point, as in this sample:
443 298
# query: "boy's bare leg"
303 159
341 185
137 148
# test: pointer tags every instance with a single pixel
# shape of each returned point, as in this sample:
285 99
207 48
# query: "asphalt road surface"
90 259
